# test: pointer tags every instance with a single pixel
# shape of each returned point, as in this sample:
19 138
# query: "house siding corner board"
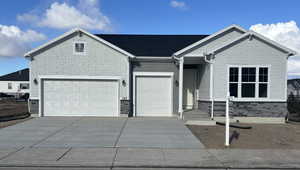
161 66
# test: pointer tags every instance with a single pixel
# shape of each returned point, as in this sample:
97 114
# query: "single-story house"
16 83
293 87
84 74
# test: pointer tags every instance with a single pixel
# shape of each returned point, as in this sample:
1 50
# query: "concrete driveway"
116 143
81 132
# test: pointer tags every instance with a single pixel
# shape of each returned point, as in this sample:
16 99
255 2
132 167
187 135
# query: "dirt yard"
279 136
11 108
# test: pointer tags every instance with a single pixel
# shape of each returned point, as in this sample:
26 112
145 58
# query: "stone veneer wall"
125 106
247 109
204 106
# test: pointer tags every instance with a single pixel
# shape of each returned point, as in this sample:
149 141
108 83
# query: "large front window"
249 81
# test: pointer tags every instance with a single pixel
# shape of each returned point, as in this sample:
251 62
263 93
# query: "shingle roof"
21 75
151 45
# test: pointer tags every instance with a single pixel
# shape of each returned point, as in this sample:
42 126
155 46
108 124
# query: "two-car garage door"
80 97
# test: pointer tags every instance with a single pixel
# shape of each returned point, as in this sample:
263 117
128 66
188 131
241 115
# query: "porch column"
180 110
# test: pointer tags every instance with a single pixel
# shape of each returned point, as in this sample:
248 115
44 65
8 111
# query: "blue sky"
142 17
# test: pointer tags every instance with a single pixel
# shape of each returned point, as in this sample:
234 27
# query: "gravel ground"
261 136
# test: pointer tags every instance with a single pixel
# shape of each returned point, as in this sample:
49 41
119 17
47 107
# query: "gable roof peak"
233 26
72 31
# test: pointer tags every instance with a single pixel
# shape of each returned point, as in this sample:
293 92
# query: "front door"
189 88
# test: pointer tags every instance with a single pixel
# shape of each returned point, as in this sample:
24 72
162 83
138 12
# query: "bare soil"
11 108
261 136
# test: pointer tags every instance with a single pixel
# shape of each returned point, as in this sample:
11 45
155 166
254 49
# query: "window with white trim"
79 48
248 81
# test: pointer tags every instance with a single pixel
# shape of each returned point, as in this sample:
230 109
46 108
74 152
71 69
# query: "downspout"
211 67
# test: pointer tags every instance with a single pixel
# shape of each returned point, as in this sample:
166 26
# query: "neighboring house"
293 87
84 74
16 83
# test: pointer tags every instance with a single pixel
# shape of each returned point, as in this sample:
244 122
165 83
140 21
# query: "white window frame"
84 49
256 98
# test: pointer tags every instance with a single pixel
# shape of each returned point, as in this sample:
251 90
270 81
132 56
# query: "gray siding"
160 66
100 60
251 52
204 81
215 42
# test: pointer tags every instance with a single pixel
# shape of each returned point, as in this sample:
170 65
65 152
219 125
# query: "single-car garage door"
153 94
80 97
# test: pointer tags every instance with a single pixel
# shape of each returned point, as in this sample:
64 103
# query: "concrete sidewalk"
148 158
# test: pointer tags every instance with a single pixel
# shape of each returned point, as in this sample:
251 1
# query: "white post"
227 121
211 90
181 61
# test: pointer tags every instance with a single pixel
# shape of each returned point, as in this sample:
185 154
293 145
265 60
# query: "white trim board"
77 30
150 74
63 77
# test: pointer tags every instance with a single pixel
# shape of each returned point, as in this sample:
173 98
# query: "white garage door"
71 97
153 95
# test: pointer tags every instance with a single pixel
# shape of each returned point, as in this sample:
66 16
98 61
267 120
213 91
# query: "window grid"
259 77
79 48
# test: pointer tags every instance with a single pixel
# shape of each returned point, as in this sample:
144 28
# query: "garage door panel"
153 96
80 97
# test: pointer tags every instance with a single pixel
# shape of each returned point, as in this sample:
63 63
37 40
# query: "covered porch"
195 80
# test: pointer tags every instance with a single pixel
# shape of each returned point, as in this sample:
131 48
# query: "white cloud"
287 34
86 15
178 4
14 41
